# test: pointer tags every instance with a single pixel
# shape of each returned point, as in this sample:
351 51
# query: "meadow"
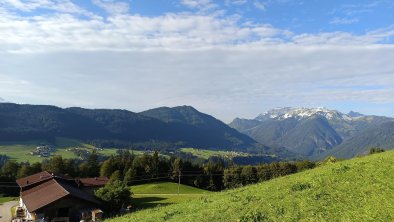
206 154
360 189
20 151
163 193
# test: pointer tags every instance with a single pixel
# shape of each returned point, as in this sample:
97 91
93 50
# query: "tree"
304 165
376 150
129 176
115 176
55 164
93 168
232 177
249 175
264 172
155 164
177 165
114 195
70 167
108 167
10 170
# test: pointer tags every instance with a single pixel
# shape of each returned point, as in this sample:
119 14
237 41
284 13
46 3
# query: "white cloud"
199 4
176 31
343 21
63 6
236 2
259 5
127 32
345 38
112 6
207 60
247 79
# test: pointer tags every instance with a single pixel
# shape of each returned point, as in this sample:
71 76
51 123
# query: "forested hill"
162 127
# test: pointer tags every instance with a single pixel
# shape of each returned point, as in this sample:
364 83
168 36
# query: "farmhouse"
57 198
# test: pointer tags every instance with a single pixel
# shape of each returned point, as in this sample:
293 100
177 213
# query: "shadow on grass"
148 202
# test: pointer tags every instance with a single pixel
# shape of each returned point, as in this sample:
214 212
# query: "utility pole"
179 180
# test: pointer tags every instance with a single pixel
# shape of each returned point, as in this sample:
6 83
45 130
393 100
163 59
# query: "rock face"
312 132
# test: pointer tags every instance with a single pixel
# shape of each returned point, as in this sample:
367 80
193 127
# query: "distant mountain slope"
197 127
180 126
360 189
309 132
306 137
377 136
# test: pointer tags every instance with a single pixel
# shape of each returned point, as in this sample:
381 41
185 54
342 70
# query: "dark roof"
42 195
51 191
94 182
35 178
40 177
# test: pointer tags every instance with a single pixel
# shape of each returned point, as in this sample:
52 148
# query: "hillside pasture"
360 189
163 193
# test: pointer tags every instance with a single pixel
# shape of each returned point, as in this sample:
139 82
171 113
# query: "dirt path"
5 211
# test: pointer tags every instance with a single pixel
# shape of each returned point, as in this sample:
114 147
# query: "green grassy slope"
163 193
165 188
361 189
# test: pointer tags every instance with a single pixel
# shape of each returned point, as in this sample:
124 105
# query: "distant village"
47 151
43 151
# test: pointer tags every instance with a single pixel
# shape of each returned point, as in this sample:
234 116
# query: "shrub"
376 150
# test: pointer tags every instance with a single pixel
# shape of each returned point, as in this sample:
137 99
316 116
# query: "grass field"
361 189
20 151
166 188
6 199
164 193
206 154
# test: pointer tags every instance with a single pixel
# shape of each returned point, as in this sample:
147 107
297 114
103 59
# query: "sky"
229 58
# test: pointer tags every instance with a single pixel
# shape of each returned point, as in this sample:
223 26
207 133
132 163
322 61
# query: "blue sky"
230 58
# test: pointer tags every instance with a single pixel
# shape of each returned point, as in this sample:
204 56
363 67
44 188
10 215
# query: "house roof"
39 177
94 182
51 191
35 178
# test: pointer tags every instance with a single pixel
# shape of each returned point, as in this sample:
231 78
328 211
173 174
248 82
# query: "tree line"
214 175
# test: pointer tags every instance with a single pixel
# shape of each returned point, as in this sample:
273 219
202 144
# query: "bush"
114 195
376 150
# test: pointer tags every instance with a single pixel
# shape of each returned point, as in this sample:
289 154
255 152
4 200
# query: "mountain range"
319 132
283 132
161 128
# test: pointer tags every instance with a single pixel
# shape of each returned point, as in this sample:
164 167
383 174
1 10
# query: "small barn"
58 198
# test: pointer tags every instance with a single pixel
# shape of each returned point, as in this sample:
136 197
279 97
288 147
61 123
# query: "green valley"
21 151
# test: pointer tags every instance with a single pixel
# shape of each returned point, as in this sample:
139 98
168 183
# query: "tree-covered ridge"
122 128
